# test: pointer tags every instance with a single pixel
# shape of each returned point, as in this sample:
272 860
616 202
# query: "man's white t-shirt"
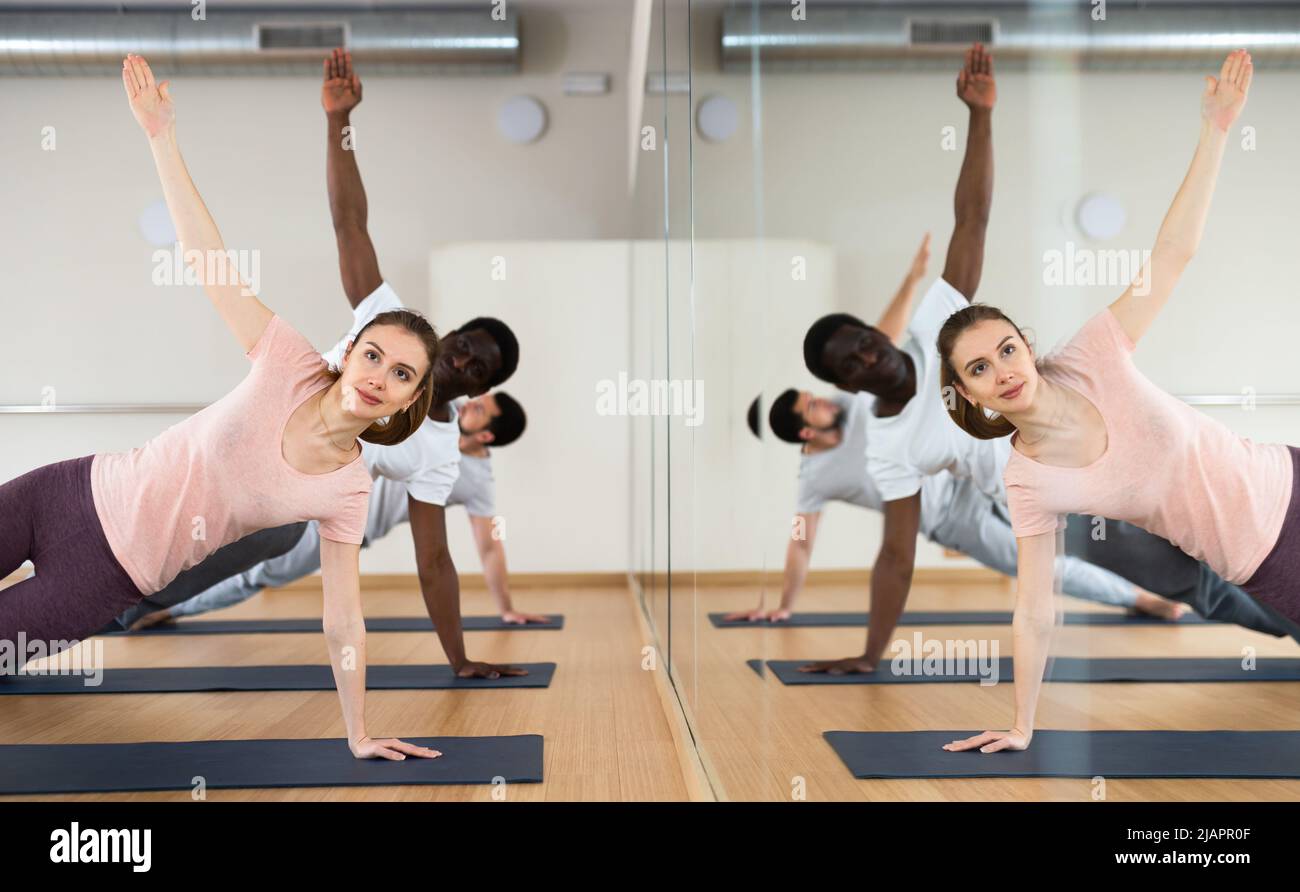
475 488
841 475
428 461
923 440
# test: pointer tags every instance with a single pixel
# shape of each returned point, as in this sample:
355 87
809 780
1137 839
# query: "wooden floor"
758 736
606 735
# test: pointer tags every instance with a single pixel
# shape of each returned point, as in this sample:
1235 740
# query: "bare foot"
1154 605
157 618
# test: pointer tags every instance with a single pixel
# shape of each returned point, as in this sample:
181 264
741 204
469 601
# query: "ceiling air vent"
949 32
303 36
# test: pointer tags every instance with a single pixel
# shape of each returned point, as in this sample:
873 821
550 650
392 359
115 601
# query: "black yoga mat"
1061 669
1110 754
189 679
227 764
373 624
955 618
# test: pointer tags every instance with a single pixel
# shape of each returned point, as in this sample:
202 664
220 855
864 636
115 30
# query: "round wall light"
717 118
1100 216
521 119
155 224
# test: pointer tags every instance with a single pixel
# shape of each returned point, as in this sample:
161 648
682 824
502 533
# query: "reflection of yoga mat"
188 679
228 764
953 618
373 624
1061 669
1111 754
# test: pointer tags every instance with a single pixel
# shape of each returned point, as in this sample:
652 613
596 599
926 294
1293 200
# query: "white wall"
852 167
854 162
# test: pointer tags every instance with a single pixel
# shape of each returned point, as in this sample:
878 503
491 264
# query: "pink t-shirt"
1167 467
221 474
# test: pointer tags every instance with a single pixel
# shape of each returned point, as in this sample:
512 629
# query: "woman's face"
382 372
995 367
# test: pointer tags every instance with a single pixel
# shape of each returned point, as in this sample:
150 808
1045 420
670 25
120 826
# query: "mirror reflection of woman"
1091 434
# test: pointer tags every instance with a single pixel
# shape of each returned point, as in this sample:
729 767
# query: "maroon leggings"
1276 583
48 516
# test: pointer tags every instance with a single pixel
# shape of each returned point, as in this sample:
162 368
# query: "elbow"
349 222
975 214
897 563
437 564
1176 252
1038 616
343 632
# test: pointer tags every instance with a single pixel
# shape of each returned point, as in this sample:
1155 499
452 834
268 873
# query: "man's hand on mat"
474 669
150 102
341 91
846 666
389 748
758 615
975 84
514 617
1224 98
149 620
992 742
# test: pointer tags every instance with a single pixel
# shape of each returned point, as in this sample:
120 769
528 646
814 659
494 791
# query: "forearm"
893 322
1184 223
195 228
440 586
1031 632
797 556
347 196
346 639
973 200
493 556
891 580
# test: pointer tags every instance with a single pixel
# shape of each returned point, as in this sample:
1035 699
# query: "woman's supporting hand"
389 748
150 102
847 666
1225 97
993 741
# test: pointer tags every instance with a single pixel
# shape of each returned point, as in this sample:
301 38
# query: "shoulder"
941 300
1101 335
381 300
282 343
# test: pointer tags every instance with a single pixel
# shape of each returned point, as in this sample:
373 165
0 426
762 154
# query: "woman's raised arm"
1180 233
200 241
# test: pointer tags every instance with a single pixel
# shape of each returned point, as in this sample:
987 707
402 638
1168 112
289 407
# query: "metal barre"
1198 399
1237 399
105 409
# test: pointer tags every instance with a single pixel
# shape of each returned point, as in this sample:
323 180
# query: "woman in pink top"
103 531
1091 434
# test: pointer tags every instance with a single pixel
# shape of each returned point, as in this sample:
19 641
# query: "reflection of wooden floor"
606 737
759 735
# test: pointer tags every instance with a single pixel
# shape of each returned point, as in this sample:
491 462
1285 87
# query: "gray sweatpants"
979 527
1159 566
293 564
229 560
